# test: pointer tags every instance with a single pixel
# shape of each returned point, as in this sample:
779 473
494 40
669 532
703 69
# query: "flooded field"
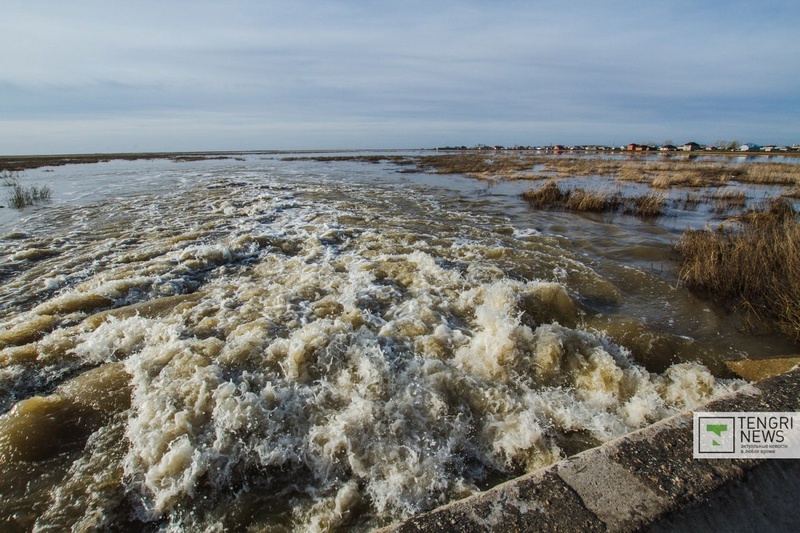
268 344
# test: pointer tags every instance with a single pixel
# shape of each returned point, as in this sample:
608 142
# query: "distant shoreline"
17 163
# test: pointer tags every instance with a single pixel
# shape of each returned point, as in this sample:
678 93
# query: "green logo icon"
718 430
714 434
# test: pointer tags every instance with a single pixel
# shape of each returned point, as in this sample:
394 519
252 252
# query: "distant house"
691 147
749 147
633 147
668 148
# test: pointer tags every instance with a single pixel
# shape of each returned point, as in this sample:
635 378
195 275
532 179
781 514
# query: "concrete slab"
615 495
647 479
528 503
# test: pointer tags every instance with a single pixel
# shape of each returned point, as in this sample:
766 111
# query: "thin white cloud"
540 71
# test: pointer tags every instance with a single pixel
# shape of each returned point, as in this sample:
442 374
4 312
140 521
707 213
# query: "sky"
176 75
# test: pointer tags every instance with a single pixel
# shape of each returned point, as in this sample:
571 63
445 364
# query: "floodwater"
264 345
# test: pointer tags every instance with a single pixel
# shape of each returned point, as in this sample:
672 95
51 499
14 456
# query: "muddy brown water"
268 345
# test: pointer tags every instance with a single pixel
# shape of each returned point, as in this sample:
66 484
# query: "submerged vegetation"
663 173
481 166
552 196
20 196
751 264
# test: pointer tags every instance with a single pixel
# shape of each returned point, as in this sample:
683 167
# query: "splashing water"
275 347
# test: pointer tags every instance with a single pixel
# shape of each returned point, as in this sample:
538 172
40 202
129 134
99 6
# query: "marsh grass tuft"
20 196
552 196
750 264
770 173
699 176
584 201
646 205
725 201
546 196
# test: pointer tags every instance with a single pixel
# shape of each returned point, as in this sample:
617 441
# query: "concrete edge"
623 485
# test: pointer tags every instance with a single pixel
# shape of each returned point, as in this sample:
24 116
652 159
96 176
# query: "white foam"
338 368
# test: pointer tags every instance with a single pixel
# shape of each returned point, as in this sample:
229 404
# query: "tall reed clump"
723 201
546 196
20 196
585 201
552 196
752 265
646 205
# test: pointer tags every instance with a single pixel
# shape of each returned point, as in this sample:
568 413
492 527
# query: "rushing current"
265 345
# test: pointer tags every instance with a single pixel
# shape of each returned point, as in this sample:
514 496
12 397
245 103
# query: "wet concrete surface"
645 481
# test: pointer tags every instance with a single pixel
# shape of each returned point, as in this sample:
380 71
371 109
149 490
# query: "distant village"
734 146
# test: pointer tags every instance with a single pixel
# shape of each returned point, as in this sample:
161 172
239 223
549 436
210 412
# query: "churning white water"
264 345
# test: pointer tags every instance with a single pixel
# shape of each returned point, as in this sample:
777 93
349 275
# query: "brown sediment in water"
320 353
750 264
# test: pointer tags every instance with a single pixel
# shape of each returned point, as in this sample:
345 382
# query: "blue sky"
171 75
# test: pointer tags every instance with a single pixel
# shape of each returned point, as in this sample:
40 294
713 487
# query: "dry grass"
517 166
396 159
634 173
751 264
646 205
552 196
583 201
546 196
792 193
770 173
662 173
694 175
583 166
725 201
682 178
479 165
